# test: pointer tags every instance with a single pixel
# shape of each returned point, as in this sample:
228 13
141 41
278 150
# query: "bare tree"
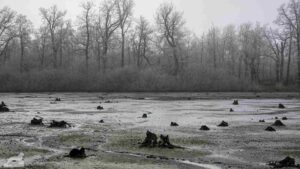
277 44
24 29
124 8
107 24
141 40
289 16
7 33
86 24
170 23
53 18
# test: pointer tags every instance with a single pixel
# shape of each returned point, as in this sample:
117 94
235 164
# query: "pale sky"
199 14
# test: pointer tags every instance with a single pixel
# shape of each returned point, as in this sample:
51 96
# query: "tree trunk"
123 49
22 54
176 61
289 62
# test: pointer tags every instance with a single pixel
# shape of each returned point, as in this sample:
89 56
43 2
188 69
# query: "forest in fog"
106 48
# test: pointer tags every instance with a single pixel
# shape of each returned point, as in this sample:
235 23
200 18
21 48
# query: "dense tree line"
107 49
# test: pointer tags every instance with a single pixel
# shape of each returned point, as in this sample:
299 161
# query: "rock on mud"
284 118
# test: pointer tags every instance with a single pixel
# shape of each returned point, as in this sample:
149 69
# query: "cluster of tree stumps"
152 141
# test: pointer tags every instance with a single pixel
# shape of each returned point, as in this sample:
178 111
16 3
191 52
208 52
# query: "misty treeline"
107 49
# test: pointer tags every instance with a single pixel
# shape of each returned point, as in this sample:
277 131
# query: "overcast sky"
200 14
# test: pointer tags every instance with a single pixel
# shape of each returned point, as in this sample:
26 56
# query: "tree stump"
223 124
281 106
271 129
278 123
77 153
164 142
204 128
235 102
174 124
36 122
150 140
59 124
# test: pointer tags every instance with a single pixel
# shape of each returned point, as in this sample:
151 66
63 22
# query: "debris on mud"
150 140
57 99
108 101
278 123
262 121
223 124
15 162
174 124
287 162
77 153
270 129
281 106
100 108
59 124
235 102
37 122
101 121
204 128
3 107
231 110
284 118
144 116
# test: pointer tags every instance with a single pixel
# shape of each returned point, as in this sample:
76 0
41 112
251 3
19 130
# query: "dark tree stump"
223 124
144 116
284 118
100 108
174 124
278 123
164 142
235 102
77 153
101 121
150 140
3 107
281 106
287 162
271 129
57 99
59 124
204 128
262 121
231 110
37 122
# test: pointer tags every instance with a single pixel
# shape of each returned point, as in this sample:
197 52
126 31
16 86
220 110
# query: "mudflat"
116 141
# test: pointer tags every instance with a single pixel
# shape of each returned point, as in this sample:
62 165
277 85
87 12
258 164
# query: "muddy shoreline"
115 143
